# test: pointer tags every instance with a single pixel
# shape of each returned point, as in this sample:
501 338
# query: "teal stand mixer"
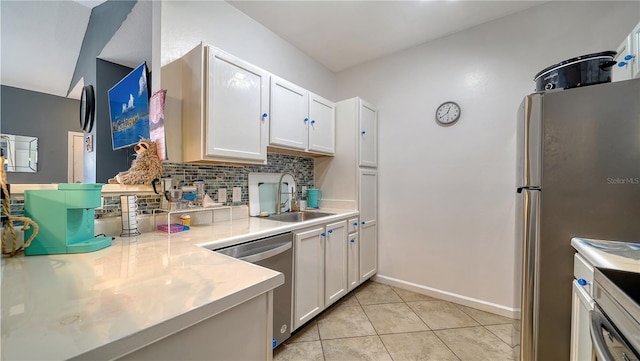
65 217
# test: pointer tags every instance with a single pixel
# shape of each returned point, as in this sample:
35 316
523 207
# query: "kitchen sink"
297 216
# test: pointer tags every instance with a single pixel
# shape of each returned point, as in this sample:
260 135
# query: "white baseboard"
449 296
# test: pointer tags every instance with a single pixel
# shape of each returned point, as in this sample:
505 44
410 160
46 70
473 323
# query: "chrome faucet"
279 193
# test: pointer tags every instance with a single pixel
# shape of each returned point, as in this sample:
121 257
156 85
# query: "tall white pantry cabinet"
350 180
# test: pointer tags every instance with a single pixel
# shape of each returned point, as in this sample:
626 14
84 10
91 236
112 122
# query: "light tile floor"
380 322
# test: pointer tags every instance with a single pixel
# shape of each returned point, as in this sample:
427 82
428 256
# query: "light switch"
222 195
236 194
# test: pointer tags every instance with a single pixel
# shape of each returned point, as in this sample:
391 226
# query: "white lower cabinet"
581 304
353 272
368 250
320 269
335 262
308 275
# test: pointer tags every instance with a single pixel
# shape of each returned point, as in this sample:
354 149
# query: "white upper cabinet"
225 108
300 120
237 118
232 110
309 274
322 125
368 137
289 114
628 66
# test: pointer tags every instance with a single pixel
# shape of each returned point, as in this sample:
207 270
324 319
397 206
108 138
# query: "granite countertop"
139 290
609 254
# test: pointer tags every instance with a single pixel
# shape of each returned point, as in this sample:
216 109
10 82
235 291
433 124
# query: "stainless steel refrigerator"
578 175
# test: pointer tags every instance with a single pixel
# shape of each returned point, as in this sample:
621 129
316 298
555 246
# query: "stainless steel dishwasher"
276 253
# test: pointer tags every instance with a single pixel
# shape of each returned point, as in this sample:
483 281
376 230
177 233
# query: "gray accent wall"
108 162
47 117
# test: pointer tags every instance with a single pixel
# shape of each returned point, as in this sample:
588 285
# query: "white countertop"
139 290
609 254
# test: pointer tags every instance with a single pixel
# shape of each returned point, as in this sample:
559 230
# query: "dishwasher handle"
599 322
266 254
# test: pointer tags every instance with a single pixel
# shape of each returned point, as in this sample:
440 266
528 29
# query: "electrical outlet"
236 194
222 195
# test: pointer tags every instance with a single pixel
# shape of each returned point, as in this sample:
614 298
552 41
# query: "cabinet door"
624 69
368 135
582 303
368 195
335 262
635 51
367 205
289 115
353 263
309 275
237 100
368 250
322 125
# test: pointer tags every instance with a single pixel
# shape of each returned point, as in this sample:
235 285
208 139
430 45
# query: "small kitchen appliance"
276 253
65 216
580 71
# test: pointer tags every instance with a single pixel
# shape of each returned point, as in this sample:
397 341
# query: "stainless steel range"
615 321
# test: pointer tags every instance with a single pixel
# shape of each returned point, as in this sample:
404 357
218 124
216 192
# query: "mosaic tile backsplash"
218 177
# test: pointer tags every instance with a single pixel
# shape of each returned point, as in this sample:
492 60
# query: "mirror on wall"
20 153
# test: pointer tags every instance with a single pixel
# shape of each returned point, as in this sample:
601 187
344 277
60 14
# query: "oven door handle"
598 322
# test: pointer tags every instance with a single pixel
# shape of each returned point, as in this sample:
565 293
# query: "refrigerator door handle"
520 189
529 149
529 277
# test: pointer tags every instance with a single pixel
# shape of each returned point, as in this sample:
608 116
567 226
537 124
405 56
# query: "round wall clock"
448 113
87 108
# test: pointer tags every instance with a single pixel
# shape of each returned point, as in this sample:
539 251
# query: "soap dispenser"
295 204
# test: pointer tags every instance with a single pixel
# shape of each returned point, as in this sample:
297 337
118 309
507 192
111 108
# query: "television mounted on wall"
129 108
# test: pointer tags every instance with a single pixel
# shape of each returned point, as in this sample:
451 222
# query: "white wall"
186 23
447 195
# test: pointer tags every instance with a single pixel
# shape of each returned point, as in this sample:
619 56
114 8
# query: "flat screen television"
129 108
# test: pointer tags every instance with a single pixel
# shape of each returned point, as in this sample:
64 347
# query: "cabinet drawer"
583 269
352 224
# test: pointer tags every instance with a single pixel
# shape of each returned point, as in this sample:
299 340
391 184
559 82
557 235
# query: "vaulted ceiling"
43 40
341 34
